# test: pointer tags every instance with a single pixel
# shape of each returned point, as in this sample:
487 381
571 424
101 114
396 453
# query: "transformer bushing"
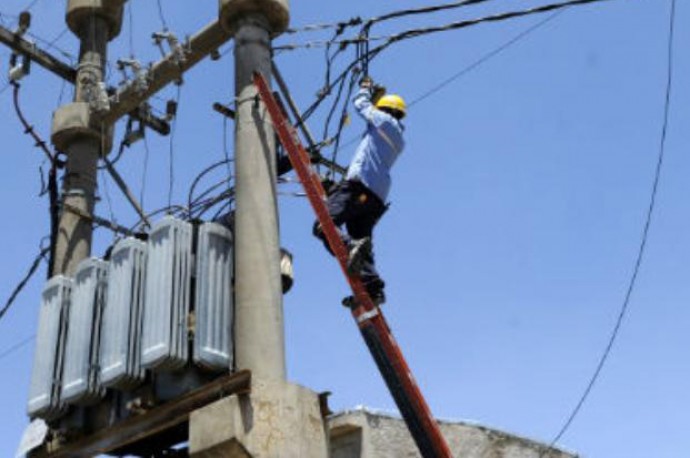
77 121
80 11
276 12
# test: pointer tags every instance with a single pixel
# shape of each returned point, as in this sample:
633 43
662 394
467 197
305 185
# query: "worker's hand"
366 82
378 92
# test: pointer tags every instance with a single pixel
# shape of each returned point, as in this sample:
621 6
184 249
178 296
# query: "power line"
474 65
171 169
20 286
318 27
106 194
486 57
130 26
144 171
414 33
369 22
643 243
161 14
30 5
5 353
422 10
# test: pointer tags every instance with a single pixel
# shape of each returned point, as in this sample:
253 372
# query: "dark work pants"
352 204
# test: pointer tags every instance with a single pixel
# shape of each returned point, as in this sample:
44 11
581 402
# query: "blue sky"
517 212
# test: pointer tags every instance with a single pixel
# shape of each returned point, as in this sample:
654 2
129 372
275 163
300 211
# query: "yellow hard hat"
393 102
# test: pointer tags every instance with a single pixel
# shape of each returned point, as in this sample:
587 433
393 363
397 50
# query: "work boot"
377 298
359 250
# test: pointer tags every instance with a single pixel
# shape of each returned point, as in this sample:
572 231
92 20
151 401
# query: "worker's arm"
364 104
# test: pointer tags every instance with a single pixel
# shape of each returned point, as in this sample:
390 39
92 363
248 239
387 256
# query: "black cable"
201 175
474 65
20 286
228 194
106 193
30 5
317 27
226 207
162 15
17 346
144 171
343 121
333 109
422 10
226 151
485 58
203 199
54 210
330 58
118 155
53 193
28 128
173 129
414 33
130 26
50 44
643 243
174 210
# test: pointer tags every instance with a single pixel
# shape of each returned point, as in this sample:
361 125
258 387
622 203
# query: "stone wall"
362 433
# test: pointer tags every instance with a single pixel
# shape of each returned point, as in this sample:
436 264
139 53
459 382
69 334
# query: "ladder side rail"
370 320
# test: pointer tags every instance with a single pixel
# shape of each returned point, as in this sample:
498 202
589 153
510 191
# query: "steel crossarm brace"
168 70
372 324
22 46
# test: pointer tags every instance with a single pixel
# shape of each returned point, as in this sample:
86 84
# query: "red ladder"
368 316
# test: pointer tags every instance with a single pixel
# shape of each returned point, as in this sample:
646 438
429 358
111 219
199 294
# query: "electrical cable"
414 33
106 194
342 123
175 210
144 171
486 57
61 96
204 172
334 107
31 5
474 65
130 26
422 10
643 242
7 352
54 211
118 155
318 27
161 15
173 129
202 199
28 128
53 193
228 194
226 151
20 286
50 44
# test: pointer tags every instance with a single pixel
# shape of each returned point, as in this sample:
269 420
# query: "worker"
359 201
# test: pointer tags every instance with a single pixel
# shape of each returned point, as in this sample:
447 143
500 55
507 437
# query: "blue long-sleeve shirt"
379 148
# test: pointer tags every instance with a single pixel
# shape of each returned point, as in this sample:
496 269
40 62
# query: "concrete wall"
365 434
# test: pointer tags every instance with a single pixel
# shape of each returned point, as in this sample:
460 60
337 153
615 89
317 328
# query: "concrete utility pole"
78 133
277 419
259 333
